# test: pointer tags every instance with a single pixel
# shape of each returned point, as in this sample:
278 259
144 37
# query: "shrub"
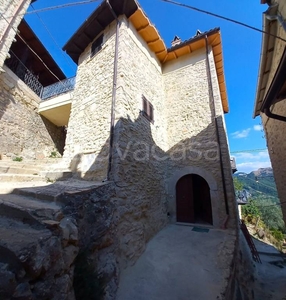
18 158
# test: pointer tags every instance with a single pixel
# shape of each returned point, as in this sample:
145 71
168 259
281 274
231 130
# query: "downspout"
217 129
115 68
271 115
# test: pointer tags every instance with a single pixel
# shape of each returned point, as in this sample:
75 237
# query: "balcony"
58 88
31 80
18 68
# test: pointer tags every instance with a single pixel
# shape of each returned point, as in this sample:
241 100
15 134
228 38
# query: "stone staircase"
50 169
38 240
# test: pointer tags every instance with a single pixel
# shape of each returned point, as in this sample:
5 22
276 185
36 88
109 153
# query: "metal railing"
16 66
58 88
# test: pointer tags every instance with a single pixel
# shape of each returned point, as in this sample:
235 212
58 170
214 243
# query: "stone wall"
87 142
275 129
23 131
275 135
135 169
11 13
192 133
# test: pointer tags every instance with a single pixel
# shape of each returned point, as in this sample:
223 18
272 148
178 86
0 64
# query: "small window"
96 45
148 110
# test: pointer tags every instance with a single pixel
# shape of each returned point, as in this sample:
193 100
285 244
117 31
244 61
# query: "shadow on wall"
144 170
6 96
115 221
57 134
23 130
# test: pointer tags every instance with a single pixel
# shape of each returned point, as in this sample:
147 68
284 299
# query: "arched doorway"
193 200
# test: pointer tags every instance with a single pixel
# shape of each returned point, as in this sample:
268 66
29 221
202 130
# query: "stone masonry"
275 129
11 13
147 158
24 133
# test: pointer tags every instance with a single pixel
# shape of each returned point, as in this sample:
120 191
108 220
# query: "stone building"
144 121
270 101
151 117
148 117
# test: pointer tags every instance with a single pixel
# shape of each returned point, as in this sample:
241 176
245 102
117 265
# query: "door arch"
193 200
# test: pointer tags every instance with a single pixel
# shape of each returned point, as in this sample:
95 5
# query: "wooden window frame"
147 109
96 46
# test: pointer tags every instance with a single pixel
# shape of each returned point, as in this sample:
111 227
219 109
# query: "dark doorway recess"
193 200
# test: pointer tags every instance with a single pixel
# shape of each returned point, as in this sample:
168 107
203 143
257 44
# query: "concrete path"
180 264
271 274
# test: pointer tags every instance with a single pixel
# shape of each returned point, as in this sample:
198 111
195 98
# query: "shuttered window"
148 110
96 45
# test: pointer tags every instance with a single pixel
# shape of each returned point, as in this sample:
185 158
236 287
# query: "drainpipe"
112 121
217 129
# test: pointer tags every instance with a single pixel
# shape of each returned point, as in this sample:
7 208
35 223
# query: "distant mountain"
259 183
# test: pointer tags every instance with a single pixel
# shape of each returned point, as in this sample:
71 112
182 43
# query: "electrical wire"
223 18
56 7
18 34
252 150
55 42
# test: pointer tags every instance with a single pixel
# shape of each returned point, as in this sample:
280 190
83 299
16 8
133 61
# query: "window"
148 110
96 45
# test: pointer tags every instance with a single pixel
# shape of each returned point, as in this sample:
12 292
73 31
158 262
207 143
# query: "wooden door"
202 200
185 200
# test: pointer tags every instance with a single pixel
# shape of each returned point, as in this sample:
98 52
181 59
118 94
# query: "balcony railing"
58 88
16 66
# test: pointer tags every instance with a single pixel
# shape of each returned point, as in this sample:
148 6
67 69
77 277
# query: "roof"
267 51
95 23
31 61
102 17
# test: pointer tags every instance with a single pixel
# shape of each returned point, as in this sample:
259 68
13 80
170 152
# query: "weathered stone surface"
19 121
23 292
8 31
7 282
69 230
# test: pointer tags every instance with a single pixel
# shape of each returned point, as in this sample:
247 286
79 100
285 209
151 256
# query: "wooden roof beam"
143 28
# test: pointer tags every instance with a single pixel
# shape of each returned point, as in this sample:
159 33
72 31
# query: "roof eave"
101 17
268 42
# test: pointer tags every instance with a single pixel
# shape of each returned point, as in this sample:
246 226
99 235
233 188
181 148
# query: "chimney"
176 41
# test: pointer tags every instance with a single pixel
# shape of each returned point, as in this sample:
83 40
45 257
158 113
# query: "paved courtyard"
180 264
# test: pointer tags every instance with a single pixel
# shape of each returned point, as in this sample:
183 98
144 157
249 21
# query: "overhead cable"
55 42
223 18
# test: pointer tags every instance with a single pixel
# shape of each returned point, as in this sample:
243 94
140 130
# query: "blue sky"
241 50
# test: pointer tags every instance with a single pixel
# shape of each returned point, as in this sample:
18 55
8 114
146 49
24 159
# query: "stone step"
32 161
20 178
53 192
33 175
19 170
28 210
8 187
56 175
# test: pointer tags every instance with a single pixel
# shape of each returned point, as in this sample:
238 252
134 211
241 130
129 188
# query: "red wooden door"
185 200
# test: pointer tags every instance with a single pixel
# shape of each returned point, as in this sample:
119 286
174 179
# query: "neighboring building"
28 68
11 13
270 101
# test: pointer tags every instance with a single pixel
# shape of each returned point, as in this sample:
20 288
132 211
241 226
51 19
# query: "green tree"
238 185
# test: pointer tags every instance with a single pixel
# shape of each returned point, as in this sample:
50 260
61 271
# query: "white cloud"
251 161
248 167
241 134
258 127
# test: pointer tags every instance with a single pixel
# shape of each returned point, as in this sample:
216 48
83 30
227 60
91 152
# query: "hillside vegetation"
263 206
